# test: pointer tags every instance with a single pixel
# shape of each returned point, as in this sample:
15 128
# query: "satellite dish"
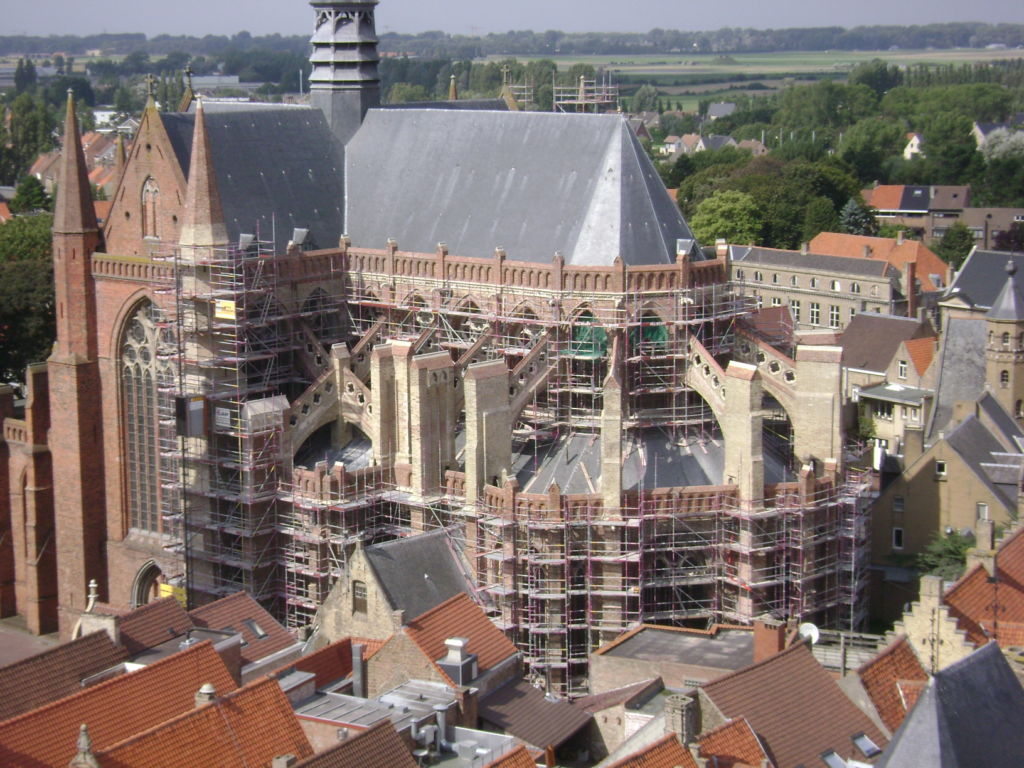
809 632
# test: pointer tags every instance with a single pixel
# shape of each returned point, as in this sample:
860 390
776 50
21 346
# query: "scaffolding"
589 95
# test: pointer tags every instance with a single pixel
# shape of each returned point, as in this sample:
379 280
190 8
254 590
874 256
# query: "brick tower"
76 436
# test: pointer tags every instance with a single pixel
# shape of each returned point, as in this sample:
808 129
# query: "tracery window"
141 371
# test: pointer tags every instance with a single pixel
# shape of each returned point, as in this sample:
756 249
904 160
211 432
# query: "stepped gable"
882 678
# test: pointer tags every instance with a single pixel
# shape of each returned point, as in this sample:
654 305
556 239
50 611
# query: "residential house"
821 291
720 109
977 284
672 145
986 224
755 147
969 714
613 714
5 213
713 142
913 147
553 726
891 682
639 128
923 275
981 131
387 583
921 207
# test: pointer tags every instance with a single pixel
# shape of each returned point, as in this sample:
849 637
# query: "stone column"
488 426
742 430
817 426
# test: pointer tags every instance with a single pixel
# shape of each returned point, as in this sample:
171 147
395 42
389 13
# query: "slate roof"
1009 304
277 169
114 710
248 727
241 613
930 269
794 706
459 616
531 182
961 371
976 445
881 678
732 743
152 624
478 105
983 275
667 752
379 744
775 257
871 340
970 714
526 713
417 572
55 673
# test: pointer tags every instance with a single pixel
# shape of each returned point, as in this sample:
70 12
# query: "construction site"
605 446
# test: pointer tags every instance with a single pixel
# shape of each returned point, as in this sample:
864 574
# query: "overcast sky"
199 17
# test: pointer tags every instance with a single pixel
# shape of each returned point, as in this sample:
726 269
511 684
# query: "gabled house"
981 131
892 681
720 109
913 147
378 745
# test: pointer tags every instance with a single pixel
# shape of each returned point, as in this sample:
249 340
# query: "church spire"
73 211
203 224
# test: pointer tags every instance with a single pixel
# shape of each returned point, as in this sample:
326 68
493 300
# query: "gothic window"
141 370
1004 379
150 195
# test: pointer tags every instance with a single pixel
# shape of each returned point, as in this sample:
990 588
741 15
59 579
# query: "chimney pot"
206 694
284 761
457 652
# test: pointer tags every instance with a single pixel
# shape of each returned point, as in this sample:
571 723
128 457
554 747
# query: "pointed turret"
73 211
203 223
1009 305
1004 351
188 95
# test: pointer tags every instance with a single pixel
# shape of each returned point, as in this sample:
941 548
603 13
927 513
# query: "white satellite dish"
809 632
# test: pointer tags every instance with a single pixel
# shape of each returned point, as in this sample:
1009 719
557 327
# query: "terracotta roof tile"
667 752
240 612
881 678
909 691
884 197
598 701
378 745
885 249
114 710
5 213
794 706
333 662
922 352
248 727
152 624
525 712
733 743
55 673
517 758
459 616
973 600
102 208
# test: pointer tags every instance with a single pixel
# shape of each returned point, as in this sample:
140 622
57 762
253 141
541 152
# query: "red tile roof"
525 712
152 624
248 727
55 673
667 752
333 662
733 743
884 249
794 706
115 710
885 197
102 208
240 612
459 616
517 758
378 745
922 352
5 213
881 678
910 690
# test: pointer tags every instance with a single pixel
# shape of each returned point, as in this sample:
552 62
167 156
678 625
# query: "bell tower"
344 82
1004 350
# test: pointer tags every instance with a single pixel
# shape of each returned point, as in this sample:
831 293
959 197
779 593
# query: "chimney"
911 288
805 247
721 248
206 694
984 550
682 717
284 761
899 238
769 637
930 592
459 664
441 716
867 251
358 671
398 618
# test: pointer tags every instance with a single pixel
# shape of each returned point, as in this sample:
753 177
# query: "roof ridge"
46 652
785 652
889 650
436 608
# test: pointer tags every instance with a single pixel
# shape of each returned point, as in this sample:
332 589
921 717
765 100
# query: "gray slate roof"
485 105
417 572
530 182
961 368
1009 305
871 340
277 169
970 714
983 275
973 442
842 265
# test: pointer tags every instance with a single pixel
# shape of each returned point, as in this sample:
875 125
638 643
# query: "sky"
293 17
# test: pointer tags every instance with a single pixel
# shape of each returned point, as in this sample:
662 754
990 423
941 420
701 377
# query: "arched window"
855 287
150 194
141 371
1004 379
1006 339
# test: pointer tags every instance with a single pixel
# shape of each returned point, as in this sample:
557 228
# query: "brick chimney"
911 288
769 637
682 717
721 248
984 550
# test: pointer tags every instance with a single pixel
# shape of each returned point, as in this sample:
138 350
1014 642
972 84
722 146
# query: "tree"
645 99
403 93
867 143
29 196
955 244
731 215
26 238
858 219
877 75
950 150
24 75
27 327
945 556
819 216
1011 239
